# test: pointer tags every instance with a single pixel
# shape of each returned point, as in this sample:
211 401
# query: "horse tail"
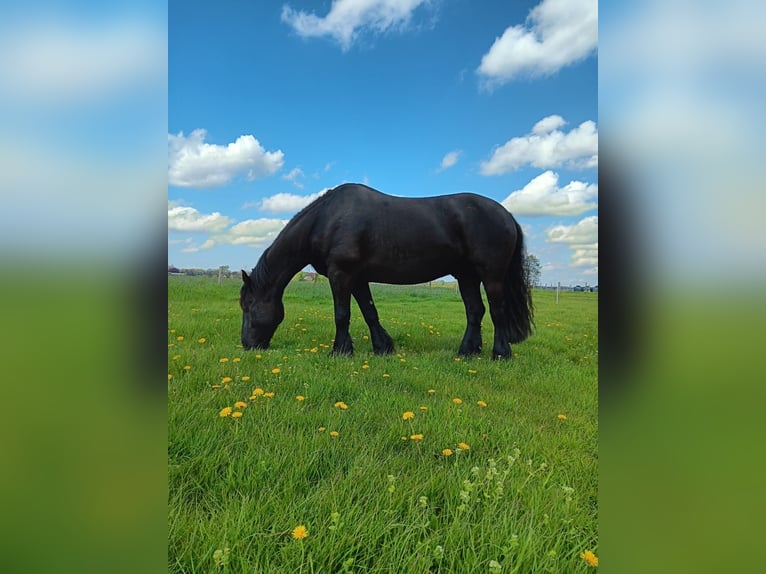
518 293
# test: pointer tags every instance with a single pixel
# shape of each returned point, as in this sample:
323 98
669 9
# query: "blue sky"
271 103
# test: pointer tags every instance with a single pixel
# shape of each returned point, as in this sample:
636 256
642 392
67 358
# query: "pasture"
416 462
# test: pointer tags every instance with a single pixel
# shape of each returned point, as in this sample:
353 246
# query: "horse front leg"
382 343
340 283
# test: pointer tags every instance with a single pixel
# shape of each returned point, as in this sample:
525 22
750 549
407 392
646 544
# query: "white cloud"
184 218
583 232
252 232
449 160
557 33
293 176
581 237
543 196
194 163
549 124
285 202
347 17
545 147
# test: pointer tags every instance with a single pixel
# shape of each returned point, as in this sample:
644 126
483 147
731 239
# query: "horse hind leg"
474 313
382 343
498 310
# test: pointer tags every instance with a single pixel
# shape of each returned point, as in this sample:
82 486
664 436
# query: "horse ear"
246 278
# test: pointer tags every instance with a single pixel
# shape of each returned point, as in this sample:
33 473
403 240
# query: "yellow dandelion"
314 350
240 404
472 371
334 434
300 398
258 392
226 380
457 401
457 360
423 408
236 360
171 345
431 391
187 367
276 371
172 331
386 375
258 356
447 452
341 405
404 438
300 532
223 360
322 429
481 403
244 378
463 446
269 395
180 338
409 415
225 412
170 376
201 340
365 366
590 558
416 437
562 417
236 414
176 357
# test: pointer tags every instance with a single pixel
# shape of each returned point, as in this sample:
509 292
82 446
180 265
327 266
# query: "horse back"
410 240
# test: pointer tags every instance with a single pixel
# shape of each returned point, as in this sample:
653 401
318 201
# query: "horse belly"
407 265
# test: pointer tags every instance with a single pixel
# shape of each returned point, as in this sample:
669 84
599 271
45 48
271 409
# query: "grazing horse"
354 234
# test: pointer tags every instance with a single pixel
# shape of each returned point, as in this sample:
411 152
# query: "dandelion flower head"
300 532
590 558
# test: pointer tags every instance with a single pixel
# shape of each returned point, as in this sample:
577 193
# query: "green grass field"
495 472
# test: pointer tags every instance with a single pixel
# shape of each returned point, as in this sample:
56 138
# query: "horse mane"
311 207
261 275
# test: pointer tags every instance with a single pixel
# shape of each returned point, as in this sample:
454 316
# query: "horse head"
262 312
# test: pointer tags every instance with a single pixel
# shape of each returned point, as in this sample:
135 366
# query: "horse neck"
286 256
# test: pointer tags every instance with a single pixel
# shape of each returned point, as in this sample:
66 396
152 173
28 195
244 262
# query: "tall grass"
502 480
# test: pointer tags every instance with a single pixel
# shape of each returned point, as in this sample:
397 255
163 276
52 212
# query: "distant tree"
532 269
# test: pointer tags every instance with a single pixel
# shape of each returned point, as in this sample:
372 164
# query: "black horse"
354 234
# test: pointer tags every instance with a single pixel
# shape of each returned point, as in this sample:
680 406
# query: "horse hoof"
341 352
386 351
